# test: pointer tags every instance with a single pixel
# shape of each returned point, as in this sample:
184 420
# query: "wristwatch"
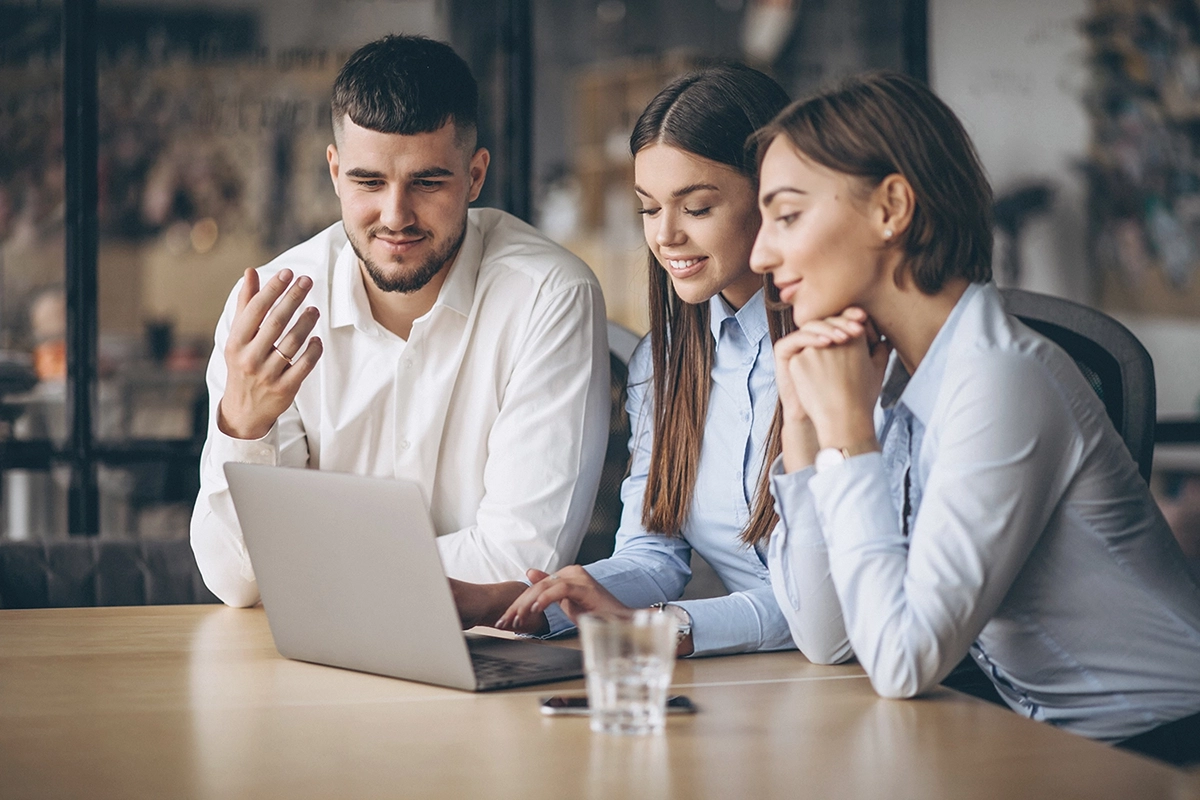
683 620
829 457
832 456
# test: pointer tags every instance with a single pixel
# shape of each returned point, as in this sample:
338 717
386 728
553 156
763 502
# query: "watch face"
827 458
682 618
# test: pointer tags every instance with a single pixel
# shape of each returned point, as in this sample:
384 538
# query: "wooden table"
194 701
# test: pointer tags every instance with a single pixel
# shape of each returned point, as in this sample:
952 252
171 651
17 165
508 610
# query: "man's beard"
414 279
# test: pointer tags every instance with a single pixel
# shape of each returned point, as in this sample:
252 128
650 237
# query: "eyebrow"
428 172
769 196
685 190
432 172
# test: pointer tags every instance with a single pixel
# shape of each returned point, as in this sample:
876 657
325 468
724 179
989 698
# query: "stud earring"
887 233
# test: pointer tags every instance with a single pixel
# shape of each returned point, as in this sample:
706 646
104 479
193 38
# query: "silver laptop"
350 576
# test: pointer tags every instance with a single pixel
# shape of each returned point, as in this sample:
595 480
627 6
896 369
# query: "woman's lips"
787 291
685 267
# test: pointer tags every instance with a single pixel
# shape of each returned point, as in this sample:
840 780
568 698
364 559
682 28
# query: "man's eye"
370 184
424 184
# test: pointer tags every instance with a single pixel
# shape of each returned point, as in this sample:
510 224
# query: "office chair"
606 514
1113 361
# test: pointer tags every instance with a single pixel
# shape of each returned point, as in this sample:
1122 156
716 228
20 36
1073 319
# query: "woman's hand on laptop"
483 603
572 587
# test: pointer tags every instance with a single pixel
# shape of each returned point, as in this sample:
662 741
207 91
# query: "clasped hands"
829 373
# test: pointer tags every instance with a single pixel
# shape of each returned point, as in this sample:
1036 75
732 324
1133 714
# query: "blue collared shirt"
647 568
1034 543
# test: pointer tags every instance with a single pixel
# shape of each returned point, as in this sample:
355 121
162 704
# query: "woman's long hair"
710 113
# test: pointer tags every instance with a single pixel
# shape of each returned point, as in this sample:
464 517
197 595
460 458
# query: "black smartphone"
578 705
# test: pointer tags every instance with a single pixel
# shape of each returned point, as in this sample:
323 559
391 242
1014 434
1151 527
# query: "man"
462 350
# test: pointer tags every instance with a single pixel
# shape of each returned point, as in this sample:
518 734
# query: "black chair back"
1113 361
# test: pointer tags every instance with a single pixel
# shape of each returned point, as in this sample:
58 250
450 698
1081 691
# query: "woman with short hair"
962 477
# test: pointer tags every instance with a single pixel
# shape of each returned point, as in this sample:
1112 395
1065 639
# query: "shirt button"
404 444
408 362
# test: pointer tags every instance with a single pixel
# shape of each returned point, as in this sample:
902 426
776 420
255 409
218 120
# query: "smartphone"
578 705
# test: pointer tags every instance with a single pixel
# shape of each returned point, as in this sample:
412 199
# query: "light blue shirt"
1034 544
648 568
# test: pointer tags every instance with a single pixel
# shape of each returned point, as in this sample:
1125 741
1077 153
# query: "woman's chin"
807 312
691 294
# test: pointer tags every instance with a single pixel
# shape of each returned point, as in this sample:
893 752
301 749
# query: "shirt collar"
919 392
751 317
348 301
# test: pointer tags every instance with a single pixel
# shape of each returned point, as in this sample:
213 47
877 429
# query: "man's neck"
397 311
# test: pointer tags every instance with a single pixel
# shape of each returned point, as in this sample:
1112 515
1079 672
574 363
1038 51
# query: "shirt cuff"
737 623
225 448
794 505
853 502
560 623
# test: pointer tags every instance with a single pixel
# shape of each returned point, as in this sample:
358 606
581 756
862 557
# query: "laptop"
350 576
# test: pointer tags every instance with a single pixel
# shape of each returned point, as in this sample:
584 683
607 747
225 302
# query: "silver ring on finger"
289 359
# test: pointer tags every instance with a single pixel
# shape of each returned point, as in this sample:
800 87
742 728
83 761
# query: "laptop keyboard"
491 669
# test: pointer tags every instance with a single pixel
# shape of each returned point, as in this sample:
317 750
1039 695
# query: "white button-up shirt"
1035 544
497 404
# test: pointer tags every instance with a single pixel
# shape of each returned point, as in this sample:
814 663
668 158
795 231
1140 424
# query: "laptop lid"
349 572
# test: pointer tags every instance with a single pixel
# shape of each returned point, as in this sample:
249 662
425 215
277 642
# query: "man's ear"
477 170
896 203
331 155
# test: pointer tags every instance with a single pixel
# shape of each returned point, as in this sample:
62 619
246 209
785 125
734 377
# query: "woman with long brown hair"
962 476
702 398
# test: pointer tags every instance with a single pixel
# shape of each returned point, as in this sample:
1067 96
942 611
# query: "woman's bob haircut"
884 123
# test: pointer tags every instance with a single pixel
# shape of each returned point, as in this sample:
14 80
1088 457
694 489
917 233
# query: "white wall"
1015 72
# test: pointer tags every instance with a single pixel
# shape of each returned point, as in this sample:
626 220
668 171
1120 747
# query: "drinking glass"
629 659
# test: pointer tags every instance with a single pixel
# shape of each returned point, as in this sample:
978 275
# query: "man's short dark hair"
406 85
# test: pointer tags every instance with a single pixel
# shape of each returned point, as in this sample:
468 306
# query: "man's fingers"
301 366
292 342
272 327
249 319
249 288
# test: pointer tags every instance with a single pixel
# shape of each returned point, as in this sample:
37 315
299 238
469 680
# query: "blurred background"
210 125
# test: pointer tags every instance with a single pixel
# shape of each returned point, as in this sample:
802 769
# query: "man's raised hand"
263 358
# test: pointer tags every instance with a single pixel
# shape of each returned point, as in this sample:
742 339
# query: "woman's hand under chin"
829 374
